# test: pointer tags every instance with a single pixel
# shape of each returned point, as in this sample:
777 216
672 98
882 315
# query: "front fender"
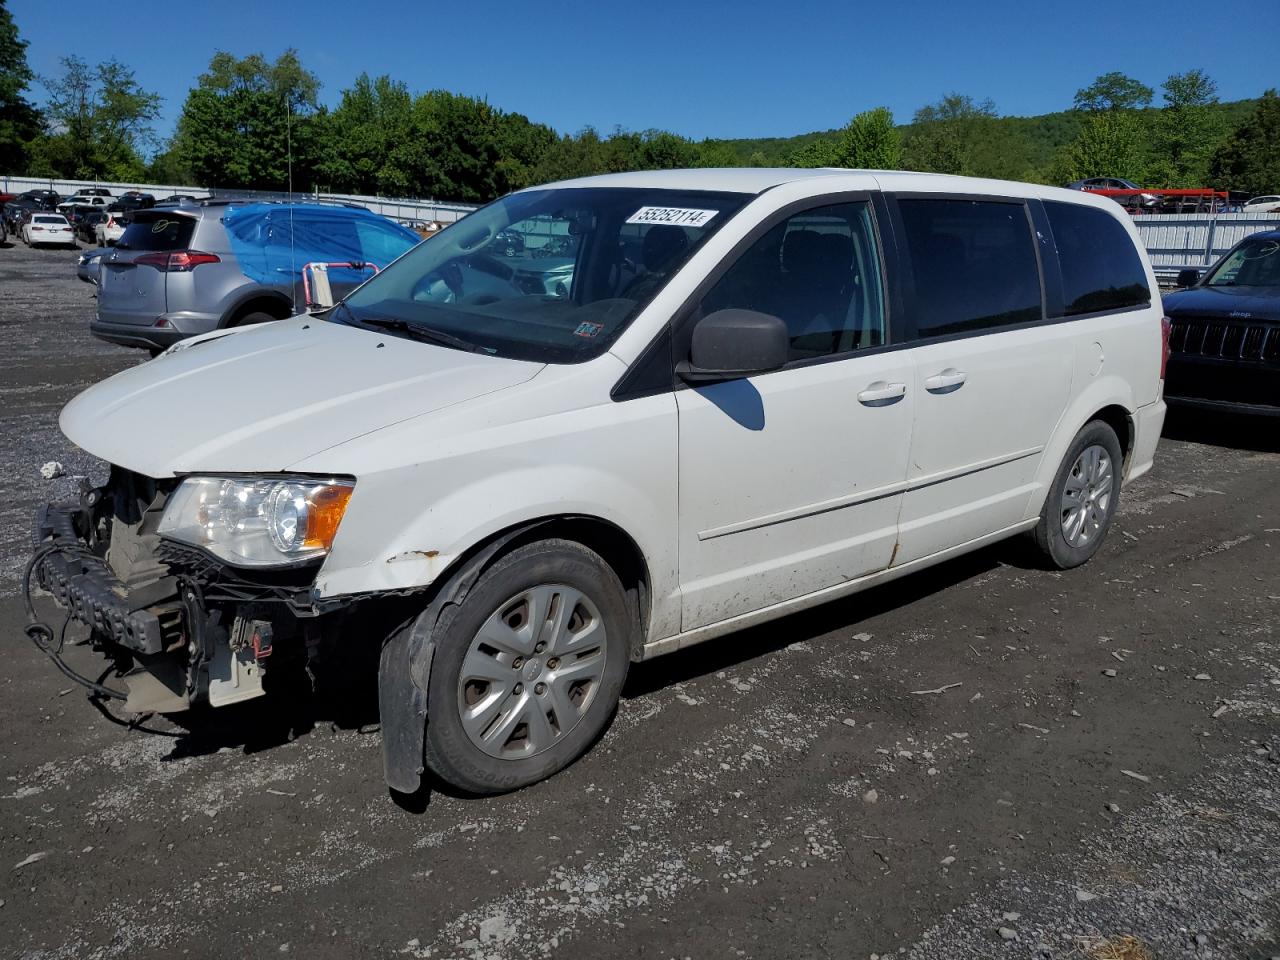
404 671
422 547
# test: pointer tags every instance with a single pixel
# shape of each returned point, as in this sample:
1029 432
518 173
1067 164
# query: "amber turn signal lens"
325 507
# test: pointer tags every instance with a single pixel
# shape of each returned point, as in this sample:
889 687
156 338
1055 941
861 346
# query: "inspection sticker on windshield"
675 216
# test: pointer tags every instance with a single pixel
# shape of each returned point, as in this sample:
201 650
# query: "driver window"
820 272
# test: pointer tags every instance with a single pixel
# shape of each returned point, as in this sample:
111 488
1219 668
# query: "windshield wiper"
417 331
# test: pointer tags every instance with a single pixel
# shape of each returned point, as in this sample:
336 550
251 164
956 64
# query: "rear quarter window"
157 233
1101 268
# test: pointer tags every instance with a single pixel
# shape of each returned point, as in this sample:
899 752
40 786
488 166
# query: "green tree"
1114 91
573 155
815 153
715 153
661 150
250 122
370 137
99 122
167 167
1187 132
1249 160
869 142
1108 145
945 136
19 120
521 146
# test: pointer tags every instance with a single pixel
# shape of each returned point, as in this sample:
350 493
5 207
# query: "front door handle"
881 394
948 381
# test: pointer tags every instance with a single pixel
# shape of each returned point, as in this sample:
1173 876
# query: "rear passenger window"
820 272
1101 269
974 265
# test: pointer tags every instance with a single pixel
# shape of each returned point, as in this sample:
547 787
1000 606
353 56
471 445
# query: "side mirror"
1188 277
733 344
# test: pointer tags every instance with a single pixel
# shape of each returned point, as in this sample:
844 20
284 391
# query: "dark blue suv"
1225 337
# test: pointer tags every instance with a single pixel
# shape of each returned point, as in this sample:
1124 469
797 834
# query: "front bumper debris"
82 583
177 624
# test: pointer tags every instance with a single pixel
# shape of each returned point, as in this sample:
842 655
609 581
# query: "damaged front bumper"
82 583
179 626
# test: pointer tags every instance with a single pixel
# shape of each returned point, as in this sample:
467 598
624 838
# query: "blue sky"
701 69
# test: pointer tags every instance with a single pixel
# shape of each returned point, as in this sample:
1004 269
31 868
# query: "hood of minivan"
270 395
1245 303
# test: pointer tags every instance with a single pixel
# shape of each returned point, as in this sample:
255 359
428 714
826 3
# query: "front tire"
528 669
1082 499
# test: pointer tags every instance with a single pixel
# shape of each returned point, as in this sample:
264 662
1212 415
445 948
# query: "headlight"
257 522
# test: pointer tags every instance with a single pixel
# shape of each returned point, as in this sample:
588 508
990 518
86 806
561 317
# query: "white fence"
1178 240
396 209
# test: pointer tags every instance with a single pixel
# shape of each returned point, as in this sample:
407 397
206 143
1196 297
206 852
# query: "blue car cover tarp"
272 241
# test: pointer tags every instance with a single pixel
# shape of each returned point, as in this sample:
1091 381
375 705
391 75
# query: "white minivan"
690 401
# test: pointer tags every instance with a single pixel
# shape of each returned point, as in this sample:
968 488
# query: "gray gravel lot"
777 793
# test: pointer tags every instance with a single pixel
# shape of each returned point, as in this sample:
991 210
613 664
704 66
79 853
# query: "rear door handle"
881 394
948 381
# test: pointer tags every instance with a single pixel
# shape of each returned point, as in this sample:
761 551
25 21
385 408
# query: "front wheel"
1082 500
528 669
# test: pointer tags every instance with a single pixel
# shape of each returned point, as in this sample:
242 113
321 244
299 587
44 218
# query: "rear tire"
258 316
557 667
1082 499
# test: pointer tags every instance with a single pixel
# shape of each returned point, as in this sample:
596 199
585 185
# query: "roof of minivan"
759 179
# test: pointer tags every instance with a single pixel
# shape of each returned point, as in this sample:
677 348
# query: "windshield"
1255 263
549 275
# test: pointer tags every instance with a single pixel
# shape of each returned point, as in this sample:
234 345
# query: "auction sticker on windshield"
675 216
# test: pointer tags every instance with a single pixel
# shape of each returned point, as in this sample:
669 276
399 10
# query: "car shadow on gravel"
1234 430
844 614
294 708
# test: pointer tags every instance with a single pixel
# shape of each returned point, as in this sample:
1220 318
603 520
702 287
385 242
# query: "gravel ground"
781 792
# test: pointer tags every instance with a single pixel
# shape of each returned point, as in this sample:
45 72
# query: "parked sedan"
77 213
84 199
1268 204
44 199
136 200
1225 339
87 225
48 230
1132 201
110 228
87 265
17 212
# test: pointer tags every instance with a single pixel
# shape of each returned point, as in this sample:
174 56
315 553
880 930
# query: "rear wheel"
257 316
1082 500
528 669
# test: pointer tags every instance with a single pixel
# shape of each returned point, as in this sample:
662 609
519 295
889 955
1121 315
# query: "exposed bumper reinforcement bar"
83 584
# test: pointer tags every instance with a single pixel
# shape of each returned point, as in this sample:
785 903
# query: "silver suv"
189 268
